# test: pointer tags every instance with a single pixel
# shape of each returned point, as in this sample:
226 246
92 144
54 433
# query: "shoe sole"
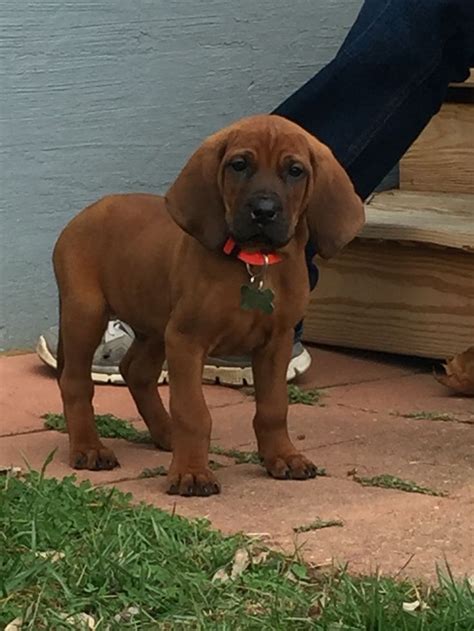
223 375
235 376
116 379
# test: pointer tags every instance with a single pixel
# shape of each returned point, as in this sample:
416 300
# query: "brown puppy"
158 264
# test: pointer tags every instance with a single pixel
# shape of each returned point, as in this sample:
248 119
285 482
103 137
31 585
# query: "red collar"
252 258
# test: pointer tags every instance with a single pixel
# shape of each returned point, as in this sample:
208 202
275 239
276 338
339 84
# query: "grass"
318 524
387 481
429 416
304 397
154 472
68 549
296 395
215 466
239 457
108 426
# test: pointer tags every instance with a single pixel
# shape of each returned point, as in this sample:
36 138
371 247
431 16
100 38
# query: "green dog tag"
254 298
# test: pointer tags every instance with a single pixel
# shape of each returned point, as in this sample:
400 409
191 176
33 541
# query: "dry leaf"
259 536
414 606
255 609
51 555
291 577
14 625
261 557
240 563
13 472
220 576
459 373
317 565
80 621
127 614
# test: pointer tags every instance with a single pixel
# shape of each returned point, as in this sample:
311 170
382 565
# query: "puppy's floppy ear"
335 212
194 200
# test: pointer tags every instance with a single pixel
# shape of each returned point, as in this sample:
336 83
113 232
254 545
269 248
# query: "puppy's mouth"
260 241
249 235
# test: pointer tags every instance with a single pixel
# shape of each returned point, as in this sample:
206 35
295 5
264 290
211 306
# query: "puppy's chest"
243 314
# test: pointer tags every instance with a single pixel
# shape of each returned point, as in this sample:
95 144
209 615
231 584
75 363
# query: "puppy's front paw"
292 467
94 458
202 483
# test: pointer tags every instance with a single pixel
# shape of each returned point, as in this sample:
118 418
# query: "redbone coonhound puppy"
216 266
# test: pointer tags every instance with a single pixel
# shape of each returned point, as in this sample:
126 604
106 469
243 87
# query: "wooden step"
440 219
442 158
406 285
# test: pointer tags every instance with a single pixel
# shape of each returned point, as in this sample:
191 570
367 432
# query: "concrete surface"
359 428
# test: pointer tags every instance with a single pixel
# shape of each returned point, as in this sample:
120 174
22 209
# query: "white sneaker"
229 371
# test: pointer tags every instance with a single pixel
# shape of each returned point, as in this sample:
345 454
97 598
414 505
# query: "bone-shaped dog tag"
255 298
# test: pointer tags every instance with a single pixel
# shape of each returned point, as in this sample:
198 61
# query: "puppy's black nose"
264 208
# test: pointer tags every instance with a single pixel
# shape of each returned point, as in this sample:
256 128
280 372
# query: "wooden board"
442 158
435 218
405 299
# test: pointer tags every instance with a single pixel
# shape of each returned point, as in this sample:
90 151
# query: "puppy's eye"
239 164
295 170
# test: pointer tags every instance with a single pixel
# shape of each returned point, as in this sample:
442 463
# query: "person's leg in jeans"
388 79
369 104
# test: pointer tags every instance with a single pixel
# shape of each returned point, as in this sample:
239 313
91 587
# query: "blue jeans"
388 79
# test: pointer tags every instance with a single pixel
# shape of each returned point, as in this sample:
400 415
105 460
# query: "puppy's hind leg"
141 368
83 319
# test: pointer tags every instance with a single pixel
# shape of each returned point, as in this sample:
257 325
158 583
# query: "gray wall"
101 96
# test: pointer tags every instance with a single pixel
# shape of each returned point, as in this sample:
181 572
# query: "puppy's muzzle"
264 209
261 219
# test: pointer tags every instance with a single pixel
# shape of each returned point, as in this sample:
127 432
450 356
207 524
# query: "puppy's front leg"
189 473
279 455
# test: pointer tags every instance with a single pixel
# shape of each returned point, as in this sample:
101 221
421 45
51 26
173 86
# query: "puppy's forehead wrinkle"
274 124
269 144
